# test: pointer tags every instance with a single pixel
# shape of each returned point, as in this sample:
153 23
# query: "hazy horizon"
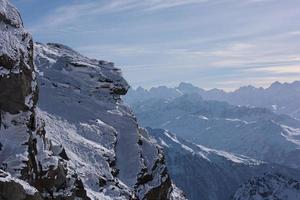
226 90
212 44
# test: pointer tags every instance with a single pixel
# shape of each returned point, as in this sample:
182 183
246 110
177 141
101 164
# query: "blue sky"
210 43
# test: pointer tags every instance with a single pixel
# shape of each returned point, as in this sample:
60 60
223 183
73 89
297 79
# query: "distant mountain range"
282 98
244 143
255 132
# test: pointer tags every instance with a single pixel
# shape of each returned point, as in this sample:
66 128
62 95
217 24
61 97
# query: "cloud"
163 4
217 39
116 50
287 69
72 14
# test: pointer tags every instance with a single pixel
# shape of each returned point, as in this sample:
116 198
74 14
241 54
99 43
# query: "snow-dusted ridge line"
205 152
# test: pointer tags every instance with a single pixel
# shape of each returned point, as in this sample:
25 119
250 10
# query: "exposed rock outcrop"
18 90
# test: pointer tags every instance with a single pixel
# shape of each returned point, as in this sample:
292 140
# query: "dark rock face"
161 192
17 78
14 102
13 189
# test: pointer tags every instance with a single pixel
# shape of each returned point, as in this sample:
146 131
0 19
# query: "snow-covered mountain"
254 132
209 174
80 141
80 103
282 98
269 187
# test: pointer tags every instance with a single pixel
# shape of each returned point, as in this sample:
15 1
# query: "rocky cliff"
16 63
80 102
80 141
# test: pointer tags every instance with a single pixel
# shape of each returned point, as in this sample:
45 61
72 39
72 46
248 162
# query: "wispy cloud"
72 13
163 4
209 42
281 69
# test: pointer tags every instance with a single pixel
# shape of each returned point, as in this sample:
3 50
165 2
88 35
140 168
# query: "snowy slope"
269 187
80 103
254 132
209 174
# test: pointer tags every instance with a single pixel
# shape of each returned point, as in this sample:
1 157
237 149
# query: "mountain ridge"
285 103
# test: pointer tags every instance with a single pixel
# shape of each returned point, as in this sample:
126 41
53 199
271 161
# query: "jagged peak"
185 85
247 88
216 90
276 84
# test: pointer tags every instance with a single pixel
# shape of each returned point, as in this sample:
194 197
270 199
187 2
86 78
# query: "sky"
210 43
